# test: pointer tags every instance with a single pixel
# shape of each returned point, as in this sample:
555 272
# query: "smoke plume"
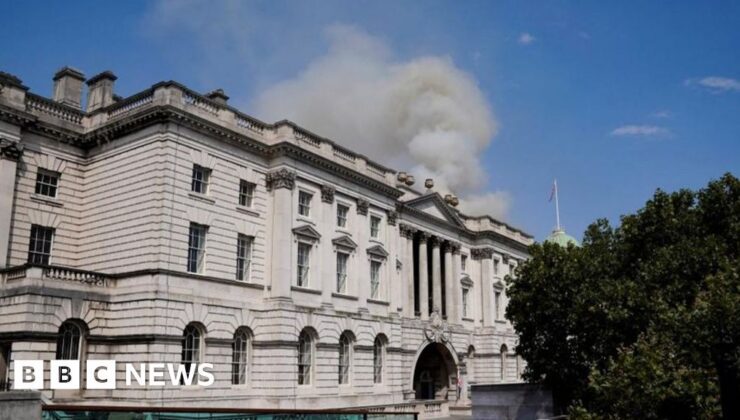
423 115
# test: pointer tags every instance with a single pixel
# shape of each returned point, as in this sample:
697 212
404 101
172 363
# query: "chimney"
218 96
100 90
68 87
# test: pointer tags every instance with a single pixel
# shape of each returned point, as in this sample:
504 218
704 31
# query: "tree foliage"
642 320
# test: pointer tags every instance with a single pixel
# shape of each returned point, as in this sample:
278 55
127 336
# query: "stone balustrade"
40 105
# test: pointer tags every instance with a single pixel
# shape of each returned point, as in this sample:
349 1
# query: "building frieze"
282 178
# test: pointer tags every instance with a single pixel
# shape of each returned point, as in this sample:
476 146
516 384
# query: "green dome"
559 237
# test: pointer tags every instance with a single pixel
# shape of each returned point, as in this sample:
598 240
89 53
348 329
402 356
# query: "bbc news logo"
101 374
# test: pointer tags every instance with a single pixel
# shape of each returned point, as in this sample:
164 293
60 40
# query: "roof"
559 237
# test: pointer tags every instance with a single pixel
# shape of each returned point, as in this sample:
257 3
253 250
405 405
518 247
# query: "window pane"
342 212
374 226
342 272
201 177
304 359
39 246
68 341
374 279
304 203
304 251
240 358
196 248
243 256
46 183
246 193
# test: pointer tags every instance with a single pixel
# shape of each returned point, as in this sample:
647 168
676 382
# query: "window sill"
376 241
378 302
306 219
468 319
51 201
305 290
343 296
343 231
201 197
247 210
500 321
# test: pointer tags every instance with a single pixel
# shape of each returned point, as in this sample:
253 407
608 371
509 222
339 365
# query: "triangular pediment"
434 205
377 251
307 232
344 242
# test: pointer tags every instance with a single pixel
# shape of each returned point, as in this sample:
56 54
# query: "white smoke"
423 115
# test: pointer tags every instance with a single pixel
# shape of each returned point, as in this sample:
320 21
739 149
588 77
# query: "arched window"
345 357
504 350
70 341
305 357
471 363
192 346
378 359
240 356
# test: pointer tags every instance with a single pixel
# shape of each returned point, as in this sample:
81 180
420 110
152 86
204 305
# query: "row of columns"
451 274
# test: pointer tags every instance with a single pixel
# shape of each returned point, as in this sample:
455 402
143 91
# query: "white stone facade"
121 219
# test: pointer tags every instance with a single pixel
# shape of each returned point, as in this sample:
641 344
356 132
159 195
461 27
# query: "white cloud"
663 113
640 130
715 84
526 38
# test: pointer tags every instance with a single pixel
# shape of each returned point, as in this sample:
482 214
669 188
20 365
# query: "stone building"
170 227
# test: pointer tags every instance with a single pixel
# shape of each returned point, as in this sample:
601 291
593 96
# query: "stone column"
452 282
10 153
436 276
328 256
407 248
423 276
486 257
281 183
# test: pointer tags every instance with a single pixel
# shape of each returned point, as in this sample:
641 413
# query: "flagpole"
557 206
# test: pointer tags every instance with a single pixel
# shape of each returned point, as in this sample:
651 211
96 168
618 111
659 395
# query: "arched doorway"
435 374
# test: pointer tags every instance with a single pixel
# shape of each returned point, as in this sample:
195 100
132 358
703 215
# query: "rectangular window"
197 248
374 226
47 182
243 256
201 177
374 279
246 193
342 272
495 267
304 203
304 257
463 262
497 304
39 248
465 296
512 269
342 212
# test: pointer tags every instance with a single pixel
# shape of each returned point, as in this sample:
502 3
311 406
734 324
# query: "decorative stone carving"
282 178
307 232
406 231
434 240
481 253
344 242
327 193
505 258
10 149
377 251
362 206
455 247
392 217
437 331
424 236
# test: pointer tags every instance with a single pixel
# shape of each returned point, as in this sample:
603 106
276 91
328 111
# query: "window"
504 350
192 340
342 212
197 248
304 259
39 247
5 366
246 193
512 270
495 267
345 356
374 227
378 360
465 297
47 182
342 272
240 357
497 303
305 354
243 256
201 177
374 279
69 341
304 203
463 262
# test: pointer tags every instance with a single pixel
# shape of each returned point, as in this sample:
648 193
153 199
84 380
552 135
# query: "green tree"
642 320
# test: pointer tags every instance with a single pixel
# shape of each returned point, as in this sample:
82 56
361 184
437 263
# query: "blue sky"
614 100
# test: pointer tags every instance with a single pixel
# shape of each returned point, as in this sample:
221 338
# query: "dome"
559 237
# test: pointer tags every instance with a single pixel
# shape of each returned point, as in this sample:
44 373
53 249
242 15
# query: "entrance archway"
435 373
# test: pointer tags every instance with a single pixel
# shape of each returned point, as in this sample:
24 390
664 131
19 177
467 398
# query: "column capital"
362 206
434 241
406 231
392 217
281 178
481 253
454 247
10 150
424 236
327 193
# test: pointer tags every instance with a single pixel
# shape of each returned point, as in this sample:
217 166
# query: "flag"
554 190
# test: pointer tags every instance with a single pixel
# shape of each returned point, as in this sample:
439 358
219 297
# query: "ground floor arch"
435 373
